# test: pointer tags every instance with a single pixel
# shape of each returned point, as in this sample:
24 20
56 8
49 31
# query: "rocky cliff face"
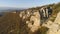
22 22
54 27
28 22
32 19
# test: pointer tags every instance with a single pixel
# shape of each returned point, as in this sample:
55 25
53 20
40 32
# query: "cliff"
29 22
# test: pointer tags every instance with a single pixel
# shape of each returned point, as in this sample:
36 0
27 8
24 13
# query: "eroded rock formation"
32 19
54 27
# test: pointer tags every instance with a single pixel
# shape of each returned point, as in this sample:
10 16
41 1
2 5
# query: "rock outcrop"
54 27
32 19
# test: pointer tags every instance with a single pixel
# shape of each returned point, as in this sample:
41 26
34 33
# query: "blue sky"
25 3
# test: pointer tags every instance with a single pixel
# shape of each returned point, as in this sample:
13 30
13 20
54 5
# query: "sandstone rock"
57 20
34 19
54 27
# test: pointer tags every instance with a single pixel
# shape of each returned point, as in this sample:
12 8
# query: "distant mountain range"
3 10
9 8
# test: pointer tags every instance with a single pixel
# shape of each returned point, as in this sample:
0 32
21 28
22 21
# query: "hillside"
20 22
